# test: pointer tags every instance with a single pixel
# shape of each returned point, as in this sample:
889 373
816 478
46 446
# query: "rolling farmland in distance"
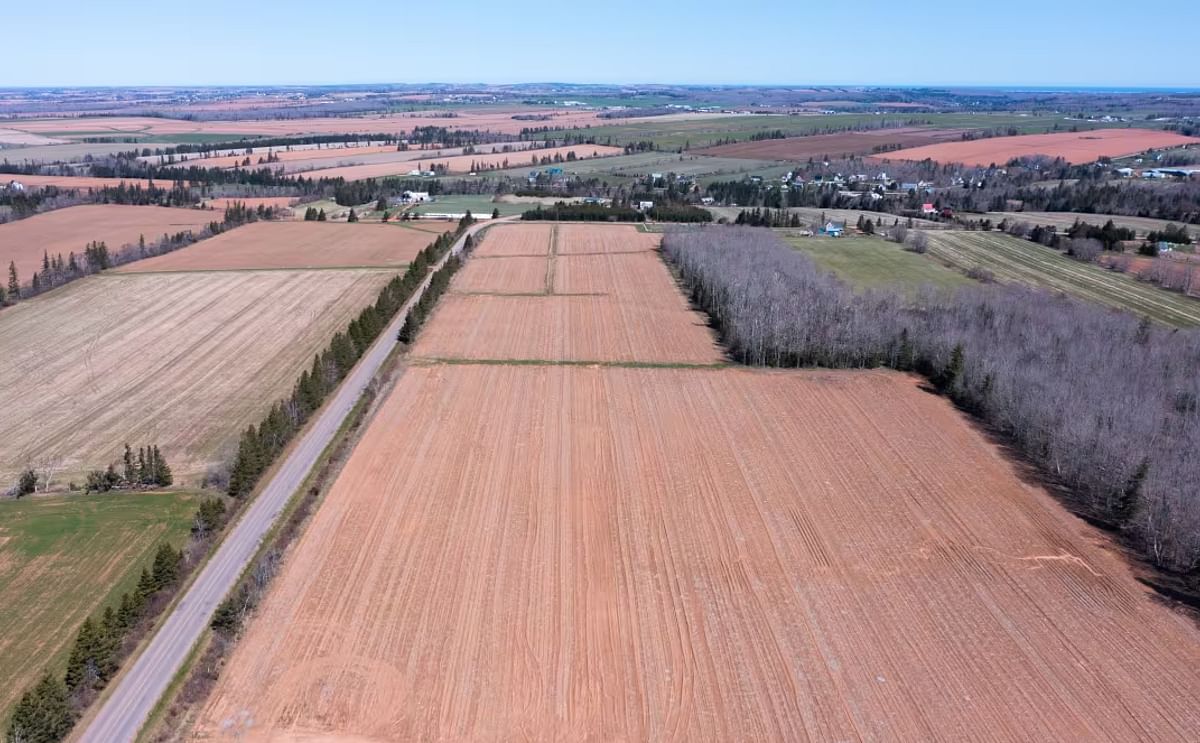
1074 147
1011 259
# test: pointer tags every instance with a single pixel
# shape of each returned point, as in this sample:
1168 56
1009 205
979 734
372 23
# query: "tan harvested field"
284 156
1074 147
15 138
294 245
69 231
1064 221
516 275
832 145
568 553
629 311
83 182
463 163
516 240
184 360
276 202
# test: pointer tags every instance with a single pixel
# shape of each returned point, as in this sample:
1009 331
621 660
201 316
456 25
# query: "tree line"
260 445
1040 369
96 255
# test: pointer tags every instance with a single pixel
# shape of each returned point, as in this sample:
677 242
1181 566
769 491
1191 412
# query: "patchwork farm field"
464 163
556 552
483 119
183 360
1074 147
871 262
833 145
64 557
547 308
263 245
1011 259
66 231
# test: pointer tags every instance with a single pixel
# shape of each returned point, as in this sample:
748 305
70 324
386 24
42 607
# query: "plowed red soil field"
69 230
567 553
576 239
515 239
1074 147
516 275
82 182
565 328
294 245
832 145
629 311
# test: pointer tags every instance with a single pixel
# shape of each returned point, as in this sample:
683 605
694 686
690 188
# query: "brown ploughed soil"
1074 147
294 245
69 230
565 553
559 552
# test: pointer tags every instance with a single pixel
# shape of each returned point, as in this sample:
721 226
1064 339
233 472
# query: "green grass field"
478 205
1064 220
697 133
63 558
1013 260
874 263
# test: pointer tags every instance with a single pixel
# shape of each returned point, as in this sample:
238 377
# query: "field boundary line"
450 361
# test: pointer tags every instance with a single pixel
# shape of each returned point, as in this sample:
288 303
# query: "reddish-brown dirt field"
70 230
81 182
1074 147
833 145
629 311
568 553
577 239
516 275
565 328
293 245
514 240
277 202
463 163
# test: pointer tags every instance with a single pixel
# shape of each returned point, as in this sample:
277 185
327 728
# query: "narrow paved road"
139 689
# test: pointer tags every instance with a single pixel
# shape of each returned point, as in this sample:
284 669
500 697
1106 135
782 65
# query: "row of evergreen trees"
149 469
260 445
47 712
437 286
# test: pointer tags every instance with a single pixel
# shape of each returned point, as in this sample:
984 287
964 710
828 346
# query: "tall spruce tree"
43 715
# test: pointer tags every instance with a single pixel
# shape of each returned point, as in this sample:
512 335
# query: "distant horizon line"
1012 87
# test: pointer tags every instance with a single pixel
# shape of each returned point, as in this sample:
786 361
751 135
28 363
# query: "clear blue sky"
1151 43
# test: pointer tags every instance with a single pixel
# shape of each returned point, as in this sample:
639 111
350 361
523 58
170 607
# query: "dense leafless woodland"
1104 403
